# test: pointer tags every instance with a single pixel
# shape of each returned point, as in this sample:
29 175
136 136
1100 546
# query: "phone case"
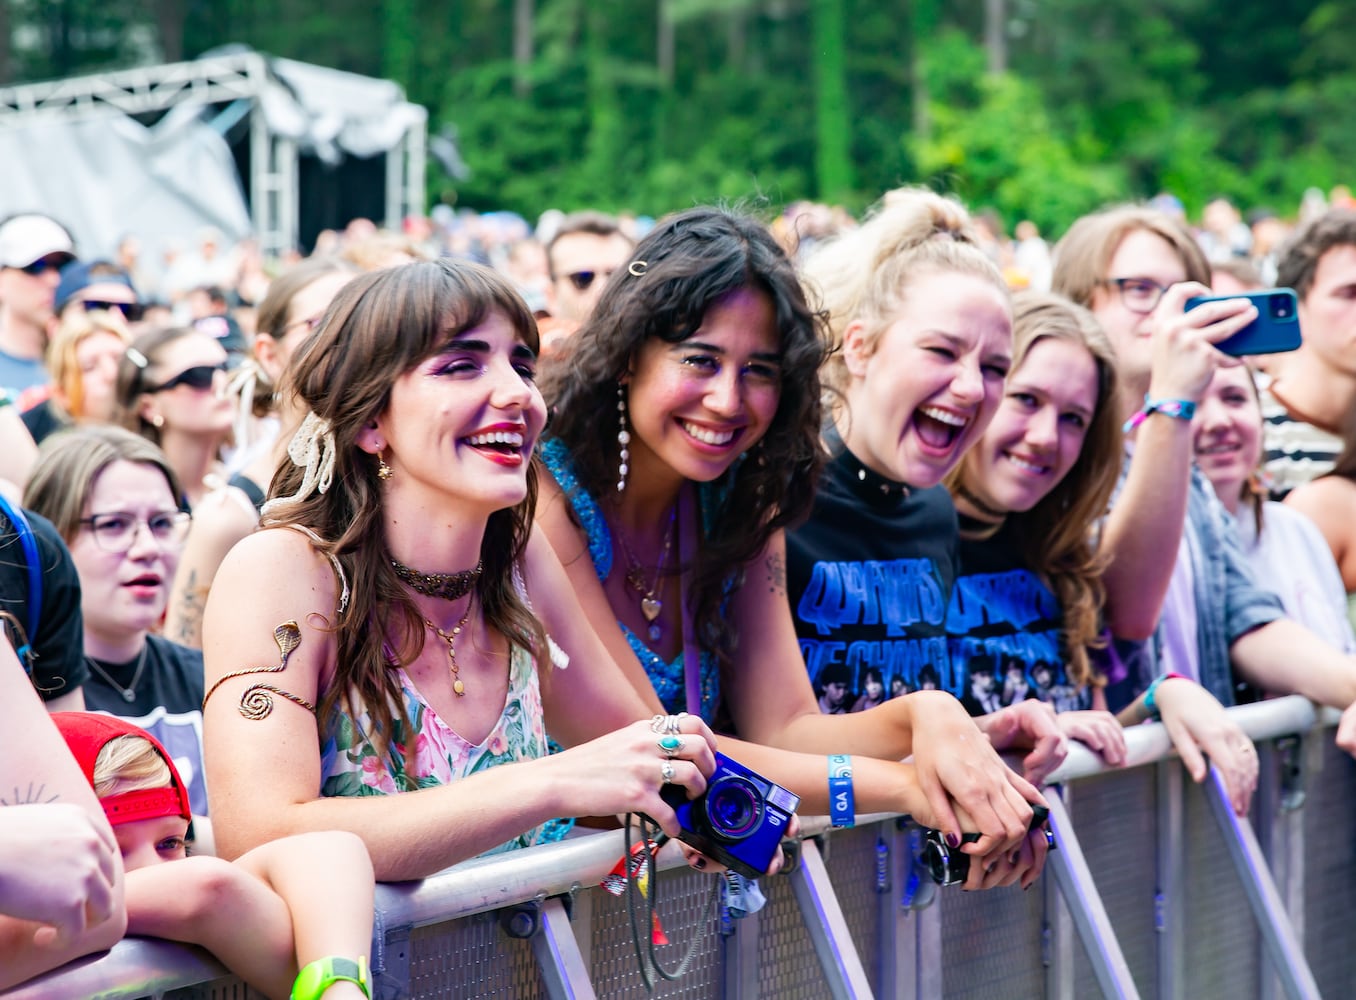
1276 328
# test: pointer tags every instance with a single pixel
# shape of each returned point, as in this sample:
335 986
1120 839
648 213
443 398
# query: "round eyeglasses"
117 532
1139 295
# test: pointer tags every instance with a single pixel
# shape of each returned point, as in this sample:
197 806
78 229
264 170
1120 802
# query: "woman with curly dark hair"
685 439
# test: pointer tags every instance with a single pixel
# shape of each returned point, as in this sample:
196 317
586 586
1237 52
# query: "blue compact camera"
739 820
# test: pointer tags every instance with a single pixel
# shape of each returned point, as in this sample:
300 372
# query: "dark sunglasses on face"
198 377
44 264
131 311
583 279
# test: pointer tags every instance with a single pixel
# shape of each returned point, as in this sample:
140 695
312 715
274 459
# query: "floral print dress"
350 764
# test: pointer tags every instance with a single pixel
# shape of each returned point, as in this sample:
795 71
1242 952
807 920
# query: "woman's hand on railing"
1098 731
1199 727
958 766
1028 725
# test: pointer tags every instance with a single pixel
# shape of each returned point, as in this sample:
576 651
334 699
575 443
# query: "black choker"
874 481
448 586
983 511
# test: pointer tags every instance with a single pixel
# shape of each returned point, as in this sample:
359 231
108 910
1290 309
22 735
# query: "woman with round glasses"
171 390
114 498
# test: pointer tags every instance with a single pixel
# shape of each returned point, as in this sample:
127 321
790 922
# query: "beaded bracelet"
1182 409
842 808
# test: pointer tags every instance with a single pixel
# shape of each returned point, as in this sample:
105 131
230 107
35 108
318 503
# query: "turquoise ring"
671 745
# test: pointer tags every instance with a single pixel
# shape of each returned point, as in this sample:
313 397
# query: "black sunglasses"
198 377
131 311
44 264
583 279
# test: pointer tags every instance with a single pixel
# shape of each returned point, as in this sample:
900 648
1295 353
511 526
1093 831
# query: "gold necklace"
451 639
651 606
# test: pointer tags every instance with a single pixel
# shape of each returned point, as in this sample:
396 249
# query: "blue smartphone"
1275 329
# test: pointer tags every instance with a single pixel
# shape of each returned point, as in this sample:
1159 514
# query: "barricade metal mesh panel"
471 958
991 943
851 863
787 966
1114 818
1330 871
1221 938
686 913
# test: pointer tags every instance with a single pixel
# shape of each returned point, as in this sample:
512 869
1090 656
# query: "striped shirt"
1296 451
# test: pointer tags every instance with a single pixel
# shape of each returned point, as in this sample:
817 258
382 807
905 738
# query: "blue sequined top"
666 676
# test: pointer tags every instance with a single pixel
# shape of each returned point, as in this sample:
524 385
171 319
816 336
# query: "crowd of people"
458 533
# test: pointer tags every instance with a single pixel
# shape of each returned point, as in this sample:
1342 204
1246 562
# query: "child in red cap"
276 916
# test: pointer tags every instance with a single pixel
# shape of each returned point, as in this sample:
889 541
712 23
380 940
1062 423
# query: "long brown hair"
1056 535
381 325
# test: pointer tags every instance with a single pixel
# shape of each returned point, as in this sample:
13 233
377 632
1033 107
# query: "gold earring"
384 471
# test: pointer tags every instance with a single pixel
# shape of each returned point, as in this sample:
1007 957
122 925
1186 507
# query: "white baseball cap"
25 239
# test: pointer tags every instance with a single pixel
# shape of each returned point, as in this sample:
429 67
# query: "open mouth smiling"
715 437
939 428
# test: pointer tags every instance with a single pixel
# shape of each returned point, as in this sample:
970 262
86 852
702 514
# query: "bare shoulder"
226 513
1327 499
273 563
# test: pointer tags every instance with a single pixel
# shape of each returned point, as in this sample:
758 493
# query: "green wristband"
323 973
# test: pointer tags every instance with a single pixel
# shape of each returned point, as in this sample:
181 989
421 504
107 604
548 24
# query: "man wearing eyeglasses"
33 249
585 251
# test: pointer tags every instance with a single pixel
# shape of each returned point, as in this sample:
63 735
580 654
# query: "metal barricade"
1156 890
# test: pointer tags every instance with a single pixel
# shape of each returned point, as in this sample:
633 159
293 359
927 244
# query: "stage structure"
222 141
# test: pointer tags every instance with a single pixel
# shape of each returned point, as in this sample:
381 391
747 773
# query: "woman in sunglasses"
172 391
83 358
114 498
265 421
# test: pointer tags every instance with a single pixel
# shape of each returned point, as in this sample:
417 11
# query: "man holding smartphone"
1311 391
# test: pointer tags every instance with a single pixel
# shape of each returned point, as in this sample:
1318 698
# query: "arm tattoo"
191 600
23 797
776 574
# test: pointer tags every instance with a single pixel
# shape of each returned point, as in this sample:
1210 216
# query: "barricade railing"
1156 889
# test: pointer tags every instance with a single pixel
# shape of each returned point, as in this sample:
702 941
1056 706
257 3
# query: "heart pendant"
650 608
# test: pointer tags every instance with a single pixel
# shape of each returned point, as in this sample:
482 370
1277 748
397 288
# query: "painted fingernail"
953 840
1016 856
699 863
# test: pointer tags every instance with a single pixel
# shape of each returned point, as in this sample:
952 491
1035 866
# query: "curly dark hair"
380 326
688 262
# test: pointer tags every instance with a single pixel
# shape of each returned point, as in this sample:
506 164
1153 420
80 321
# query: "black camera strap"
648 959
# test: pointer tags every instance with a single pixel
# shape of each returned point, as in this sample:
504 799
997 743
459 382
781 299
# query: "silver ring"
667 723
671 745
666 773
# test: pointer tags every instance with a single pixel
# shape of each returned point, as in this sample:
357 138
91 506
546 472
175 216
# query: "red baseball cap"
86 733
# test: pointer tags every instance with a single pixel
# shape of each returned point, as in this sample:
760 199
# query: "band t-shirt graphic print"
869 577
1005 626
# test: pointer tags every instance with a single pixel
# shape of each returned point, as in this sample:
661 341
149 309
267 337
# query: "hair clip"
137 358
637 268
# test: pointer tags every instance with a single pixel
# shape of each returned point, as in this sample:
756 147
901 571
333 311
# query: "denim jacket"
1229 601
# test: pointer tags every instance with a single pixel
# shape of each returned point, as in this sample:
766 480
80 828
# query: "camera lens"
1280 306
942 866
734 807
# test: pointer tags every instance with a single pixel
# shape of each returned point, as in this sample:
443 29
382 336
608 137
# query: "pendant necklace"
651 606
129 693
451 639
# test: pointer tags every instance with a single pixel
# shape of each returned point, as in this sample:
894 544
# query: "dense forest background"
1036 108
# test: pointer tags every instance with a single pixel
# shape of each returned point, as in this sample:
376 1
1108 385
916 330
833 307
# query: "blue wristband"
842 808
1150 705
